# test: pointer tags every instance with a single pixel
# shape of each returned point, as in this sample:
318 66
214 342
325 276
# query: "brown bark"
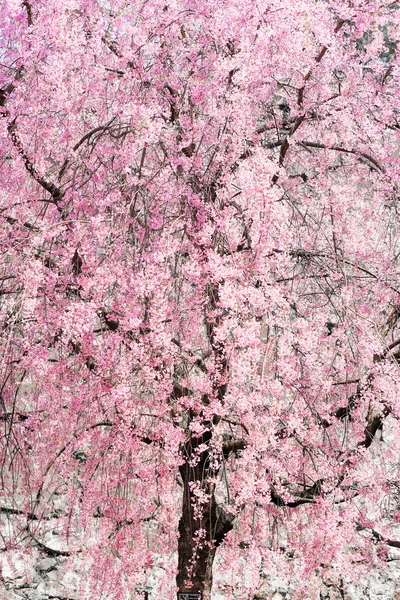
200 531
203 527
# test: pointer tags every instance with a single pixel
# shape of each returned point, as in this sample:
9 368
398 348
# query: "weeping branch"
371 160
55 192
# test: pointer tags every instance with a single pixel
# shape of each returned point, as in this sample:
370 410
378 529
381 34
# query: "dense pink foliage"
200 245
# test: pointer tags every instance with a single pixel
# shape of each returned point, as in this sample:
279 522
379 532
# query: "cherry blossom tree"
200 287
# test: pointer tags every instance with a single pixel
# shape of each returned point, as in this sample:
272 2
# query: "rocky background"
39 576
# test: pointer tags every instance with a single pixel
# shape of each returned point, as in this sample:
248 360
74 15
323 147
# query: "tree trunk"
202 528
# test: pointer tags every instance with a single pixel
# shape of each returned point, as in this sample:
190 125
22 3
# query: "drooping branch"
61 451
318 58
300 253
284 146
374 163
55 192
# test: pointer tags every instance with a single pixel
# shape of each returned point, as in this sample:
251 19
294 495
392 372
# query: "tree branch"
238 423
54 191
15 511
305 497
379 537
233 446
47 550
367 157
28 9
318 58
89 134
5 92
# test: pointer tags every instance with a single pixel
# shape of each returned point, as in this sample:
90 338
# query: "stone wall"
38 576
